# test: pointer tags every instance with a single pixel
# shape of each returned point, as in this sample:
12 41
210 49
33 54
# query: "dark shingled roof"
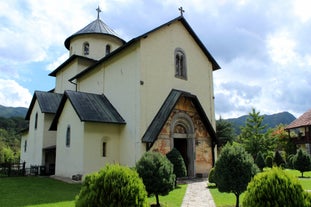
95 27
90 108
48 102
303 120
161 117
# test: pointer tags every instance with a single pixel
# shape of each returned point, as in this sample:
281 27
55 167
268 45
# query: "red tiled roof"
303 120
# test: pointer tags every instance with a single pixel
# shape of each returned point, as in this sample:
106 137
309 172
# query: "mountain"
270 120
8 112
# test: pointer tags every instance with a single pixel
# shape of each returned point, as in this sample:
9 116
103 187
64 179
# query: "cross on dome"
98 11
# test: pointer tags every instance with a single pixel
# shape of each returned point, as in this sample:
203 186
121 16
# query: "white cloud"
13 94
52 66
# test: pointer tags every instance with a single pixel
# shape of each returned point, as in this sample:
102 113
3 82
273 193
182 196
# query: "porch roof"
161 117
89 107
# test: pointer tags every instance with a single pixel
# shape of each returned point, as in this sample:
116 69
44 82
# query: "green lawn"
228 199
47 192
36 191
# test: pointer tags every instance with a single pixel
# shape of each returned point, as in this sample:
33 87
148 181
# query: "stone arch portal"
182 138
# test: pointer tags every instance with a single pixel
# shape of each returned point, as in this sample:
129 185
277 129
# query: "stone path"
197 194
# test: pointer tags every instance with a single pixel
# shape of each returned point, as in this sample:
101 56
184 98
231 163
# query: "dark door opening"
181 146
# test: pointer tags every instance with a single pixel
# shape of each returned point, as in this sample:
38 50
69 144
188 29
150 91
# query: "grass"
228 199
173 199
37 192
47 192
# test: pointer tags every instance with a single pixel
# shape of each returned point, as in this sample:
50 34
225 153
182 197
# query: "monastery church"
114 100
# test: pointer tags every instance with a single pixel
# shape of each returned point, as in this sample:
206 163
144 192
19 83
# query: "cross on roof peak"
98 11
181 11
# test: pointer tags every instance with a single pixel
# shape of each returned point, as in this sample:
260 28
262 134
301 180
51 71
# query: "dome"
95 27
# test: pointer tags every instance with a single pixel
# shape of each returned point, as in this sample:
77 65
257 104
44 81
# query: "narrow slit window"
36 120
68 136
104 149
25 146
180 64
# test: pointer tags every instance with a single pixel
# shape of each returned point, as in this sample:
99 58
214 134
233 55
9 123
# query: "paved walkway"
197 194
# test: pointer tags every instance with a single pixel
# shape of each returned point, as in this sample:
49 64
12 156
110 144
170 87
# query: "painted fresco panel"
203 143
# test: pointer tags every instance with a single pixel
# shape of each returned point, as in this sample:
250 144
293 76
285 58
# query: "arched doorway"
182 136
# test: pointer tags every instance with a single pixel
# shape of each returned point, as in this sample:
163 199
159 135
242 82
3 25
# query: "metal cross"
181 11
98 11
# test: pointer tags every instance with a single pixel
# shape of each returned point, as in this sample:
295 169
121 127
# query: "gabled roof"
69 60
166 109
302 121
95 27
89 108
135 40
48 102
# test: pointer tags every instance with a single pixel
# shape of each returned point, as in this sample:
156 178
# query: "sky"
262 46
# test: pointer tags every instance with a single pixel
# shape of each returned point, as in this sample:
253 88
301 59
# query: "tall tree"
234 169
253 136
224 131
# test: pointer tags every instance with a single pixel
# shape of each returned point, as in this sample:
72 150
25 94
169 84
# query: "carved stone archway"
183 139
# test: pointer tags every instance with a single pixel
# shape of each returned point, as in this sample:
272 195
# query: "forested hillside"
12 122
271 121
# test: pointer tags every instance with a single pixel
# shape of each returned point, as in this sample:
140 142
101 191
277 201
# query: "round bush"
275 188
112 186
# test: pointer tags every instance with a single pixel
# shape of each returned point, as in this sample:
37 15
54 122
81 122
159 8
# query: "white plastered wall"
69 160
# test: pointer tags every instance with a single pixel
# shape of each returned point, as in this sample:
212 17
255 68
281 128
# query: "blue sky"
263 46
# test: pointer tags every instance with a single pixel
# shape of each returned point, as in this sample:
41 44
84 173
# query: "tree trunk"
302 174
237 200
157 198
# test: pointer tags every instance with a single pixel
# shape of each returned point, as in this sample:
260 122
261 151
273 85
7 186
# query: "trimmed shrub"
157 174
260 161
269 161
177 160
275 188
302 161
211 176
112 186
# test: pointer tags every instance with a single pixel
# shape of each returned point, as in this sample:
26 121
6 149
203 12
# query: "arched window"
180 64
68 136
108 48
86 48
36 120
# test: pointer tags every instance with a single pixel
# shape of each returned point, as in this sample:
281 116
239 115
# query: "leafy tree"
278 159
253 136
177 160
260 161
224 131
302 161
234 169
112 186
275 188
157 174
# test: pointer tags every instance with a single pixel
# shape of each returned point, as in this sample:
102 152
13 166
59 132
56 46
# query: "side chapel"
114 100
